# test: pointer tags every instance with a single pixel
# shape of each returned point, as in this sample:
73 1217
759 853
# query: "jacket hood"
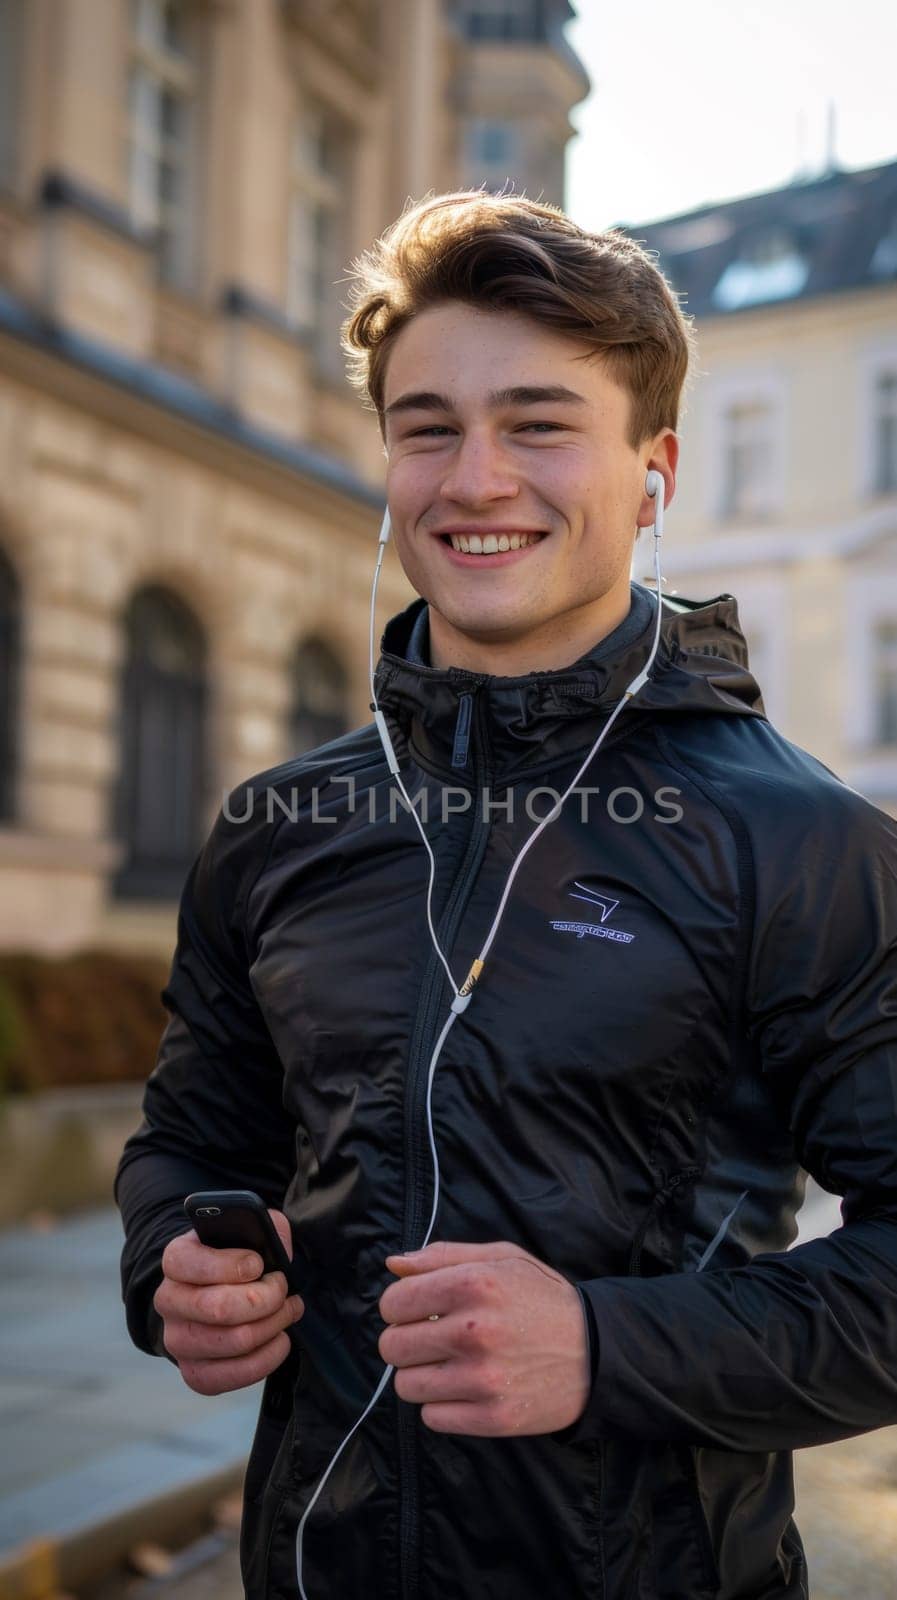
701 667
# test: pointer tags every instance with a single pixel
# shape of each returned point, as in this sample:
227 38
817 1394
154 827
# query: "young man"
606 1353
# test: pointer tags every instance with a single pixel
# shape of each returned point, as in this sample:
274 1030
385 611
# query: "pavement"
98 1438
101 1443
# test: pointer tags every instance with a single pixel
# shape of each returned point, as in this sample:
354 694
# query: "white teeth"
490 545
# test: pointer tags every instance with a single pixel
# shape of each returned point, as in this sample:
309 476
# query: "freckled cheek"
411 494
560 483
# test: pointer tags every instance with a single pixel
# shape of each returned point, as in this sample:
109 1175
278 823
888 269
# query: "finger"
477 1421
197 1341
467 1286
186 1260
451 1382
448 1253
220 1377
221 1304
413 1343
282 1224
409 1344
416 1299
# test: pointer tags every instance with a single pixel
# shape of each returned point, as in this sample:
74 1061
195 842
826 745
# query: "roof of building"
813 237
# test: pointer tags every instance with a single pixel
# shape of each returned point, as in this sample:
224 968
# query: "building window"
12 27
320 173
884 257
159 801
503 19
491 143
10 646
162 120
320 697
886 682
748 459
886 433
769 267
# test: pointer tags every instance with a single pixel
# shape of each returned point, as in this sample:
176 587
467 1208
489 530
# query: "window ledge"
58 190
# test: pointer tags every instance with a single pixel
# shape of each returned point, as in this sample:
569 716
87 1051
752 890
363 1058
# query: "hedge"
95 1017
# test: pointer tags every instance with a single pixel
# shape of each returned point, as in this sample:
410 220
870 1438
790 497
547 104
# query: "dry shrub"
91 1018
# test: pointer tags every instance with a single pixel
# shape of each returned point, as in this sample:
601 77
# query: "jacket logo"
593 898
594 930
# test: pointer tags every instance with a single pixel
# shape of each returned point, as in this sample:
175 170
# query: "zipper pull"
461 746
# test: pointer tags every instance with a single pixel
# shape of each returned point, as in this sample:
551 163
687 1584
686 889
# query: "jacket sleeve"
797 1347
213 1115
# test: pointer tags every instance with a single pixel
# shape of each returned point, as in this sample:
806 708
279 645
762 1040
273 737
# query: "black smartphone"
239 1219
230 1219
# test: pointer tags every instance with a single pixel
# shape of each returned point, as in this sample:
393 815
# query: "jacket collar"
527 722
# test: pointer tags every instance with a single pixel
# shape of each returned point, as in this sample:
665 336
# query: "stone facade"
182 189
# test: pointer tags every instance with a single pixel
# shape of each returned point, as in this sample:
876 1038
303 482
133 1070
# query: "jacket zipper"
462 731
418 1184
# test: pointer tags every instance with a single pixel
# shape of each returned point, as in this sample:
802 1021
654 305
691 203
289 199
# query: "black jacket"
690 1003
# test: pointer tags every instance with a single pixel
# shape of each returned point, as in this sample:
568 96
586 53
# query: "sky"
710 99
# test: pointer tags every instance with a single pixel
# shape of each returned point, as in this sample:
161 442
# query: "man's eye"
441 428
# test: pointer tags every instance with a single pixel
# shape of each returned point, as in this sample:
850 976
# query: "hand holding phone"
226 1306
244 1324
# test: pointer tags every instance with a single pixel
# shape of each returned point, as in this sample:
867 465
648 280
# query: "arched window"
320 697
10 642
159 803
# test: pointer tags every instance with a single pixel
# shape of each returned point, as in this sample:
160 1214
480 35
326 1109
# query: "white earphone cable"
392 762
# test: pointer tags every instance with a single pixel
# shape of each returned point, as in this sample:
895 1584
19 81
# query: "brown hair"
516 254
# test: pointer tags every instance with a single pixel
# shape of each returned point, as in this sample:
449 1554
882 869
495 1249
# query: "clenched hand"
509 1354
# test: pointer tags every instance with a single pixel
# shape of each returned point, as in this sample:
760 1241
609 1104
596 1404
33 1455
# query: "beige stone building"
190 492
787 494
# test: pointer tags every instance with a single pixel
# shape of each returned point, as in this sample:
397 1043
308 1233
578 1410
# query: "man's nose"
479 472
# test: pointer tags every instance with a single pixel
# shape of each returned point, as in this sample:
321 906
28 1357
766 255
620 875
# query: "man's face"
561 469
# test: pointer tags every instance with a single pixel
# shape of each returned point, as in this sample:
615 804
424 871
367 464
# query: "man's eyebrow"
520 395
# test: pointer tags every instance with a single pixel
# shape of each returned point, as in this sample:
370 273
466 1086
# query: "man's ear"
662 457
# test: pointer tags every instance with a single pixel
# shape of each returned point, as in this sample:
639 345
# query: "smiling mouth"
490 544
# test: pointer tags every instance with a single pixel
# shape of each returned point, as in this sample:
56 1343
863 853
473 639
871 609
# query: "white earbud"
655 486
385 527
